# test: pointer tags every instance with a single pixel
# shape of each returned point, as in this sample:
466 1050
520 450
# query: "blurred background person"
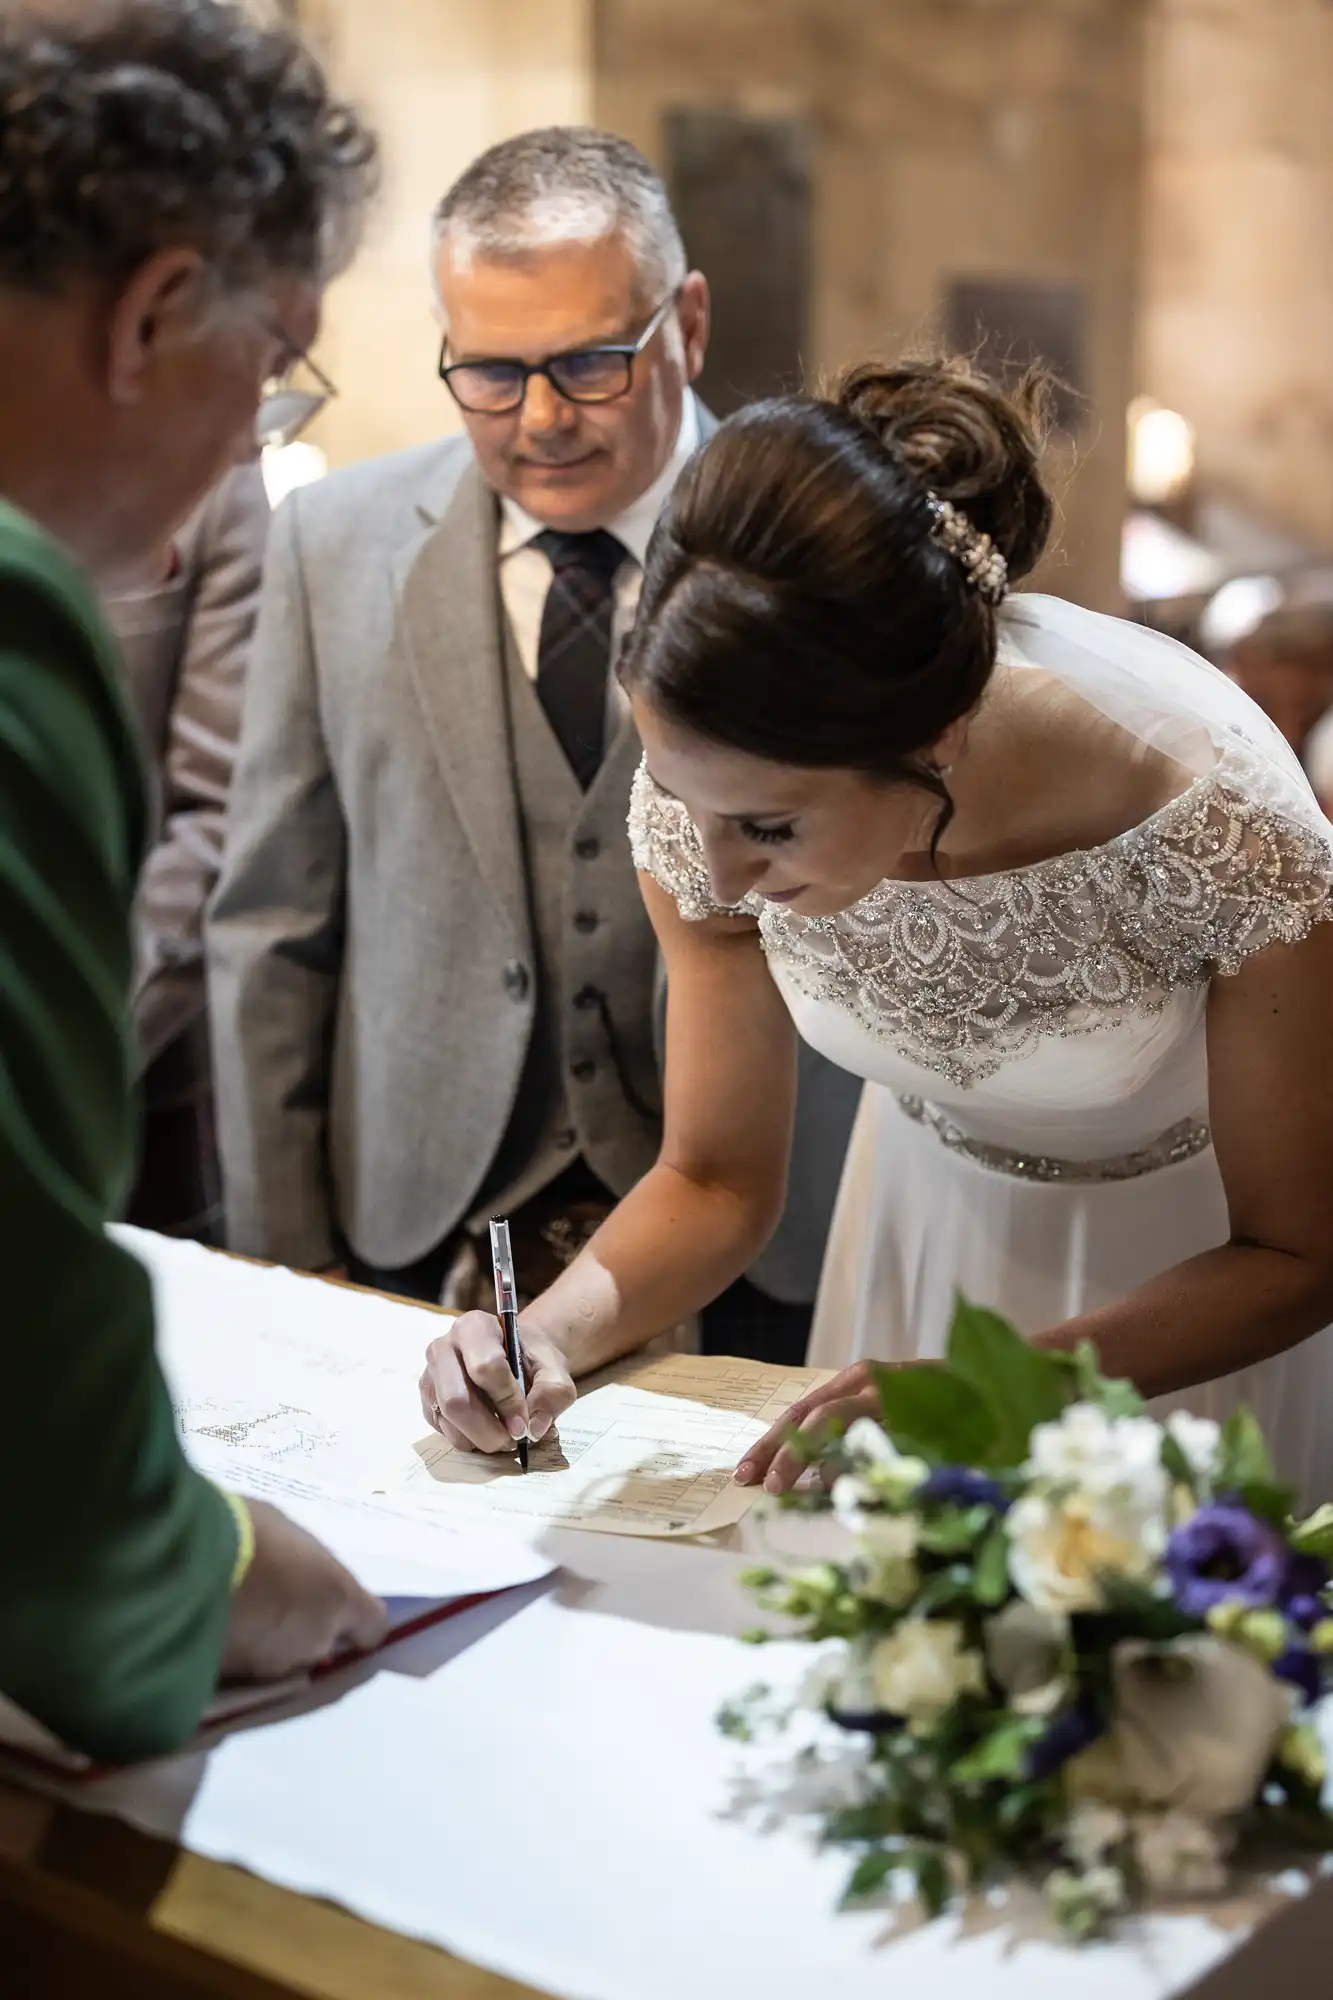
432 974
177 184
185 644
1286 665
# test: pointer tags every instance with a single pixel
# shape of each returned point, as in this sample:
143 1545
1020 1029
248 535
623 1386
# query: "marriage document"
306 1394
652 1454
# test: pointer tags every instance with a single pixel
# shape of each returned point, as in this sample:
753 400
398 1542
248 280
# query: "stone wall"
442 80
1237 319
981 138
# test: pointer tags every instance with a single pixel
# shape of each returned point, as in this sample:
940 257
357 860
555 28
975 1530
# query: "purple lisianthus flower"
1299 1666
1070 1732
1225 1553
960 1486
1305 1579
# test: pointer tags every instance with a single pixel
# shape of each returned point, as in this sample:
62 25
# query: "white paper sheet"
283 1371
542 1790
624 1461
300 1391
553 1801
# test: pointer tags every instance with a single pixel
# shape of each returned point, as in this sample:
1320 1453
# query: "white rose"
1180 1855
1024 1651
921 1667
840 1679
851 1496
886 1543
883 1470
1091 1832
869 1440
1200 1441
1195 1726
890 1535
1116 1458
1081 1903
1061 1547
885 1566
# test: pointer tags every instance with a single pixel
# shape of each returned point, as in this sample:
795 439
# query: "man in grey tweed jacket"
433 980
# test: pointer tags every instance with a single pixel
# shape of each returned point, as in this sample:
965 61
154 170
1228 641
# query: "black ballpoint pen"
506 1311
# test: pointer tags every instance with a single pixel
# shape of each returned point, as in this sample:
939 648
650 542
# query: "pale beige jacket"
186 647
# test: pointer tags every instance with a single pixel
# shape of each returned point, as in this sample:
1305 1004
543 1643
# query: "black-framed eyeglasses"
292 397
583 375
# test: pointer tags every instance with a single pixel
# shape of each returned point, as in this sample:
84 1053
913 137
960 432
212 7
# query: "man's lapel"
451 620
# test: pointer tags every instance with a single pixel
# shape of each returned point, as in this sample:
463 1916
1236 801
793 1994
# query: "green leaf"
948 1590
1314 1535
1020 1384
1244 1456
990 1574
1269 1502
1018 1802
876 1820
933 1414
1117 1398
1174 1463
869 1875
1132 1612
932 1878
1001 1754
955 1530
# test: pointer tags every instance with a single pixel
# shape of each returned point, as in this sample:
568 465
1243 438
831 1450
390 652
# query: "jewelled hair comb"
982 564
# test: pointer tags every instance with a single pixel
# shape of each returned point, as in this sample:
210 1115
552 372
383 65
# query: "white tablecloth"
539 1786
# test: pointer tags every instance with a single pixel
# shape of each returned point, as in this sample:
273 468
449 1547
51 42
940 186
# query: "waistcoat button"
586 921
516 980
587 847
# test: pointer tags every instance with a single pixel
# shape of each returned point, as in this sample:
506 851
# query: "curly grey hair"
566 183
131 125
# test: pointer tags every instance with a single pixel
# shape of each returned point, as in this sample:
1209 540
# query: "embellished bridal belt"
1168 1149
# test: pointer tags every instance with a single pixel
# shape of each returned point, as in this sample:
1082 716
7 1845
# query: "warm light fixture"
1161 453
287 466
1237 608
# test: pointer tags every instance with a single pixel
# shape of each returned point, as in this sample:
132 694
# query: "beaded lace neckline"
961 976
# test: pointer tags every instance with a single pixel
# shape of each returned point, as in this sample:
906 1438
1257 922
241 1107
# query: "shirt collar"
635 526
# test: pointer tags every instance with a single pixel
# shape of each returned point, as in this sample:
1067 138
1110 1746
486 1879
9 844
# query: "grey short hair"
562 184
127 126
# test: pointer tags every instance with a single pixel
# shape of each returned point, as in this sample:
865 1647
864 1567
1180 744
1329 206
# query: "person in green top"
176 186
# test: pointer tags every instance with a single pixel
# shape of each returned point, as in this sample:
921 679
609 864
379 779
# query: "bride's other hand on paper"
470 1397
842 1399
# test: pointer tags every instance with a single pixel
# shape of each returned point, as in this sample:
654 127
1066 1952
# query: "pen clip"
502 1258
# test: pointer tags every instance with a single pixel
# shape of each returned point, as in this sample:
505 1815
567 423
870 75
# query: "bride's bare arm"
690 1227
1270 1065
1270 1068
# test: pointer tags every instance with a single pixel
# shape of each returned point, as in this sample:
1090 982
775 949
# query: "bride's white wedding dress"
1034 1127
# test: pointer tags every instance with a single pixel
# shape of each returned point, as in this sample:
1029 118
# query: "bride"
1049 883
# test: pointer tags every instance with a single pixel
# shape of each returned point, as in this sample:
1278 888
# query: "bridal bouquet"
1081 1643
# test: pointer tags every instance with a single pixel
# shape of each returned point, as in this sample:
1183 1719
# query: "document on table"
291 1390
625 1460
306 1394
756 1389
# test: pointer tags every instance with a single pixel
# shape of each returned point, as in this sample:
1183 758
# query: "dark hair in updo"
795 605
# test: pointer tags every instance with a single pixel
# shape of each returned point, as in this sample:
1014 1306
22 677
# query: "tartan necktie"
574 651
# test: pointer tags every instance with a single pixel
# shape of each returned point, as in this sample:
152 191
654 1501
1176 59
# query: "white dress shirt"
525 573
